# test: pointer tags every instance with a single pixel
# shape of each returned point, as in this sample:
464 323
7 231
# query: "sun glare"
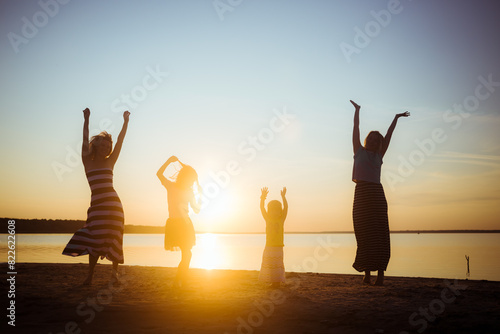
208 257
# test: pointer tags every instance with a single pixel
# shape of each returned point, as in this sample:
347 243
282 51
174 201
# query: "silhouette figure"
371 224
102 234
179 230
272 269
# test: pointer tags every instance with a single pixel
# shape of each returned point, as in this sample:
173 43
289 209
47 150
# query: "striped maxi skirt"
371 227
272 269
102 234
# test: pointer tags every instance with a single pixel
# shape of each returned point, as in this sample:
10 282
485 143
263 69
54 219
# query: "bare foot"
380 278
367 278
88 281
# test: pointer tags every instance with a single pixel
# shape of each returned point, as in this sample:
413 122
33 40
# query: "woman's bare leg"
183 267
367 277
114 272
380 278
92 263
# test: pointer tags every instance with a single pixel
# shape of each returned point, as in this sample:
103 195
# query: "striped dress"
371 227
102 234
272 269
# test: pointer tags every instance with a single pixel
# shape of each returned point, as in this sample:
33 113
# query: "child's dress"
272 269
179 230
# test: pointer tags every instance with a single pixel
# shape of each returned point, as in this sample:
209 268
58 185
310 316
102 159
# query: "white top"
367 166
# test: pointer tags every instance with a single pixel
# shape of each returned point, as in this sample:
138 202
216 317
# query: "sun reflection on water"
209 255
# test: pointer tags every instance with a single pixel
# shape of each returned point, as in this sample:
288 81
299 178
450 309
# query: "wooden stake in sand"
467 274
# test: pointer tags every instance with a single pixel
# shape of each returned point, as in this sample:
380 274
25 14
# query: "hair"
379 135
96 140
274 208
186 177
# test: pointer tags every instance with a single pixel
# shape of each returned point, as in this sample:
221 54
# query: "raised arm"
285 203
356 141
263 197
119 142
85 143
387 138
160 171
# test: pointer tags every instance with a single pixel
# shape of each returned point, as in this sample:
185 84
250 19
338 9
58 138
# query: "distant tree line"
65 226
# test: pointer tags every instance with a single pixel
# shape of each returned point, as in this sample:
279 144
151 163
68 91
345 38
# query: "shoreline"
49 298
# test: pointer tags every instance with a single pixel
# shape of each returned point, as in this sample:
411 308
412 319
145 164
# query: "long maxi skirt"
371 227
272 269
102 234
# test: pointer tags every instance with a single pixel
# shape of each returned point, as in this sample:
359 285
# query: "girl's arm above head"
85 143
356 141
163 167
387 138
119 142
285 203
263 196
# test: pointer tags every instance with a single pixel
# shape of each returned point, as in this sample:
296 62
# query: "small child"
272 269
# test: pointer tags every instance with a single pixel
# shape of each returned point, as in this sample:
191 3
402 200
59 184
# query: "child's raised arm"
263 197
160 171
285 203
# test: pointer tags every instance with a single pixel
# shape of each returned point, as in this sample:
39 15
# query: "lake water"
439 255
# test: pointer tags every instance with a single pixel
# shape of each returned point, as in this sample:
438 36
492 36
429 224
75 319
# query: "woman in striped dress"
371 224
102 234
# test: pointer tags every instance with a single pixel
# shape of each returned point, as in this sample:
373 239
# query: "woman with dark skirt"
371 224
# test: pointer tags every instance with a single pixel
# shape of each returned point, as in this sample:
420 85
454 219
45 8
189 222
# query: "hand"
86 113
283 192
357 106
264 193
126 115
404 114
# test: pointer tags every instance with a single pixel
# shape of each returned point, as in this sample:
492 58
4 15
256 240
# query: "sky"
253 94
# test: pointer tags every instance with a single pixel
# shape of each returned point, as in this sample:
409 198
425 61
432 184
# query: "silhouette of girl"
272 269
102 234
371 224
179 230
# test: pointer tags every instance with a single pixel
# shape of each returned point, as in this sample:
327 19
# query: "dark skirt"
179 234
371 227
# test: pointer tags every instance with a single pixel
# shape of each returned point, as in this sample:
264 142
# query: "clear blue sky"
220 77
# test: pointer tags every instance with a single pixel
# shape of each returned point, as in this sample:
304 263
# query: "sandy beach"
49 298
